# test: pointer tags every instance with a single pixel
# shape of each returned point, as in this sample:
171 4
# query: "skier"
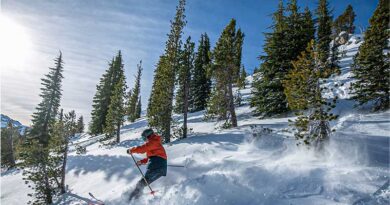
156 156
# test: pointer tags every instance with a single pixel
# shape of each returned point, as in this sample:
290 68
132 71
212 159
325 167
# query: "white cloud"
89 34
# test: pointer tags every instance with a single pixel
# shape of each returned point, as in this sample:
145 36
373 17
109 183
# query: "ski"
99 202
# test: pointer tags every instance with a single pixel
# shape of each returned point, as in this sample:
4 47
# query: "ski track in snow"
247 165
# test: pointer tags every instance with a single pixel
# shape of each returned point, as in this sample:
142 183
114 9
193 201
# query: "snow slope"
256 163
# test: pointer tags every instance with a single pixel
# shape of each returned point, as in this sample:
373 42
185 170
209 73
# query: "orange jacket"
152 147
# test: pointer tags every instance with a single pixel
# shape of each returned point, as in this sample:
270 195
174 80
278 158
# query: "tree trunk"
231 104
118 133
185 108
48 194
11 157
64 166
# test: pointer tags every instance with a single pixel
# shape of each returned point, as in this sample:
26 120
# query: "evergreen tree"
138 109
201 83
115 115
133 99
226 58
324 31
46 111
161 100
299 32
104 91
288 38
371 66
70 130
242 80
309 28
345 22
80 125
186 65
304 93
8 136
35 152
238 43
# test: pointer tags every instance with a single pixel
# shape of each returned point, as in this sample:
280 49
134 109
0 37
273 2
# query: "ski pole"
143 176
172 165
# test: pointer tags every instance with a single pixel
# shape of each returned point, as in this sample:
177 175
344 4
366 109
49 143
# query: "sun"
15 44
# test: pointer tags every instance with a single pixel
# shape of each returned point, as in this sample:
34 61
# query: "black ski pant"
151 175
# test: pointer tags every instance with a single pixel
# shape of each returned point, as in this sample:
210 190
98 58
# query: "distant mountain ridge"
5 120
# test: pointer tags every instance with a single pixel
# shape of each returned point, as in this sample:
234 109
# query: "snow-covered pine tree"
226 57
104 90
201 83
134 96
80 124
345 22
324 32
372 65
161 99
35 150
116 111
304 94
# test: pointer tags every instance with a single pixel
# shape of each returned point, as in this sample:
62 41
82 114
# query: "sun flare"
15 44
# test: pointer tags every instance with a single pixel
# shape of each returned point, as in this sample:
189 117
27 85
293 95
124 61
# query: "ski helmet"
146 133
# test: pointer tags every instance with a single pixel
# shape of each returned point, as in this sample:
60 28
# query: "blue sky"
90 32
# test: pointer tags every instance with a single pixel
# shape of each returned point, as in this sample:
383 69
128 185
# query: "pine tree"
115 115
226 58
345 22
138 109
242 80
104 90
161 100
309 28
371 66
186 65
80 125
304 93
324 30
35 152
133 99
288 38
8 136
70 131
201 83
47 110
238 43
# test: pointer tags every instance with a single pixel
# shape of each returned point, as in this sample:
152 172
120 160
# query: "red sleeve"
144 161
141 149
